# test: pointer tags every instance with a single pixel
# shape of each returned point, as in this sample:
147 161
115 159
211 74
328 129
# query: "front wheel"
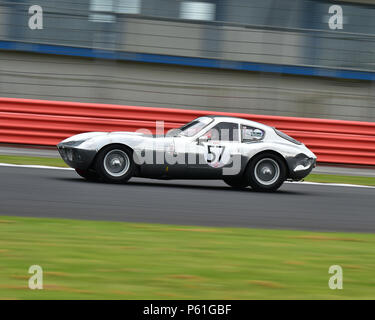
115 164
266 172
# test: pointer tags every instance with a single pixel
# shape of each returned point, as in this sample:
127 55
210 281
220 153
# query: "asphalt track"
51 193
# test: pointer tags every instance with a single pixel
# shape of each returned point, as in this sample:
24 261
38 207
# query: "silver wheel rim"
116 163
267 171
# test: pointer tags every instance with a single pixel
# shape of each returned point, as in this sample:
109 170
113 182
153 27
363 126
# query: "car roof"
240 120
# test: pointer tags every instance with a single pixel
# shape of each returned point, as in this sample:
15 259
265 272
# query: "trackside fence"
41 122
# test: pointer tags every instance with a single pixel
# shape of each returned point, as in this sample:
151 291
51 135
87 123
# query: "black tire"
89 175
266 172
237 182
115 164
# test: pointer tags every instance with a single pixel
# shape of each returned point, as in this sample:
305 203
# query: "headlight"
69 154
74 143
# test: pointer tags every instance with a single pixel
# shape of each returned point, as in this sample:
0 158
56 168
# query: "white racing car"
241 152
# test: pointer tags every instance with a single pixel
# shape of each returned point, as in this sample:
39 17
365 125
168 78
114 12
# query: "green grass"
112 260
54 162
328 178
331 178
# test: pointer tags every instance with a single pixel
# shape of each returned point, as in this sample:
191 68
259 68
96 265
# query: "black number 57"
211 156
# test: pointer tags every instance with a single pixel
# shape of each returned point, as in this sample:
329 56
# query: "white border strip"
331 184
290 182
32 166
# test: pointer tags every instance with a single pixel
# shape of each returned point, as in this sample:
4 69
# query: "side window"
250 134
223 131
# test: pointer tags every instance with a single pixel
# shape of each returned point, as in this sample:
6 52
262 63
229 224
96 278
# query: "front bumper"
75 157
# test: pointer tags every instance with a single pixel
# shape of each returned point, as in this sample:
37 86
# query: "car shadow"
152 184
218 188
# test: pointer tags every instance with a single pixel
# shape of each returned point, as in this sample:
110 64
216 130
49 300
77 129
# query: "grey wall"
197 40
50 77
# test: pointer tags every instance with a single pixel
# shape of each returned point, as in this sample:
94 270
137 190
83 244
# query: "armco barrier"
48 122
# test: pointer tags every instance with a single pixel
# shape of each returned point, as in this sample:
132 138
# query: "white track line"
33 166
331 184
296 182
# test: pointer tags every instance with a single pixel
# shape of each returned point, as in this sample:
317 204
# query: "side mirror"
202 139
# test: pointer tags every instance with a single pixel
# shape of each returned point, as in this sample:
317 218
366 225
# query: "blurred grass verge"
332 178
326 178
115 260
53 162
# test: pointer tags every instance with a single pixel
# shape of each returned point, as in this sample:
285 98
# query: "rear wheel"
236 182
266 172
115 164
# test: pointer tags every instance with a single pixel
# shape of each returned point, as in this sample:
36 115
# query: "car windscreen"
192 128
